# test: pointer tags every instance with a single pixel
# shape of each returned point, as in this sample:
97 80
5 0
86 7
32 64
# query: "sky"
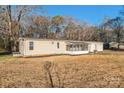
92 14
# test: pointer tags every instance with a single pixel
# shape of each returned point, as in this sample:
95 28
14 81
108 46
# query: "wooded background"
23 21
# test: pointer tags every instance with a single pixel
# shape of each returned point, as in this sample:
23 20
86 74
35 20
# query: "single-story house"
34 47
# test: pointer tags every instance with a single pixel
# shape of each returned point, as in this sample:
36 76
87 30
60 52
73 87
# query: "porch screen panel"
77 47
84 46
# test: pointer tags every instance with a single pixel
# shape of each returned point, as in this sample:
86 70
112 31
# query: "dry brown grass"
99 70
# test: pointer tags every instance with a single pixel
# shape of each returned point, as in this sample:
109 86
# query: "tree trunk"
10 37
10 27
118 39
15 46
4 41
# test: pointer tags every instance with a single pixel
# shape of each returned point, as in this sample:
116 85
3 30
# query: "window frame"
58 45
31 45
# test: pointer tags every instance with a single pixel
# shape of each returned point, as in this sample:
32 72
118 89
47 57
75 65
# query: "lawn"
95 70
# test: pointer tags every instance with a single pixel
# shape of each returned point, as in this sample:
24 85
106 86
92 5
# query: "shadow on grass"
5 53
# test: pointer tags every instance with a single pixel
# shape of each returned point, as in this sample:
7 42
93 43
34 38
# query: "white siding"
95 46
99 47
45 47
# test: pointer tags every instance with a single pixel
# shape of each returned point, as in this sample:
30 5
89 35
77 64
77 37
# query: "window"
58 45
69 48
31 45
84 47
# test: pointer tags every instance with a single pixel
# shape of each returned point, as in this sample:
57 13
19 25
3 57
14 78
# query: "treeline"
25 21
59 27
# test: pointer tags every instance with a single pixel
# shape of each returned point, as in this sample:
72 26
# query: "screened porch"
77 48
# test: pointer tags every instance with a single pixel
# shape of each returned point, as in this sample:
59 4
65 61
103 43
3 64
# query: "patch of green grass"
6 57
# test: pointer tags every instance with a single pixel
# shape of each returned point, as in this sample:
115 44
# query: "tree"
91 34
57 25
105 31
5 26
11 17
39 27
116 24
70 31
